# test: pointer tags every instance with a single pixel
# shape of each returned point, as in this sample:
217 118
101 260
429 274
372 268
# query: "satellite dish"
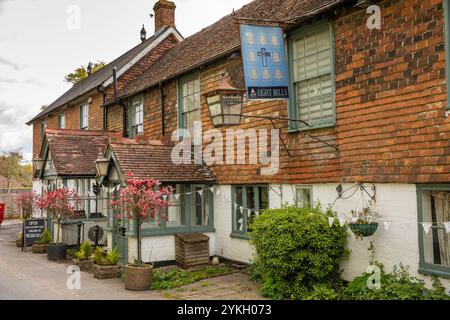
91 233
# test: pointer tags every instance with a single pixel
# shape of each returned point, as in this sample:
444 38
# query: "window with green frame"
247 203
191 211
304 197
434 245
43 127
136 116
447 48
311 61
189 101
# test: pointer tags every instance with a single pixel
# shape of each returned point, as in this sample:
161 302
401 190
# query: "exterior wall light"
102 166
225 104
38 164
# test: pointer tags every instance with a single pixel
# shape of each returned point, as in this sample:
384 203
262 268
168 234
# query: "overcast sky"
41 41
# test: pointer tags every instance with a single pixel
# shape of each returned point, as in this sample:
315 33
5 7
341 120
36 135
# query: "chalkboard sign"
32 231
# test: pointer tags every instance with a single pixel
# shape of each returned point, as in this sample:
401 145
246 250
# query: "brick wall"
390 105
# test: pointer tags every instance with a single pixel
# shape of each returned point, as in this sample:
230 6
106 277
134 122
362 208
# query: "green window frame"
136 116
248 196
312 76
62 121
187 204
189 102
425 266
447 49
43 127
304 196
84 116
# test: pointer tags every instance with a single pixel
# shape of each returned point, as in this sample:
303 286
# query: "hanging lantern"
225 104
102 166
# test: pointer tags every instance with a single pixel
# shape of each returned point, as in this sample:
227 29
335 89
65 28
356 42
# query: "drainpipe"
163 111
124 106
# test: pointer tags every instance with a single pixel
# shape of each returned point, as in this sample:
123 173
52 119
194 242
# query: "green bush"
398 285
99 256
297 253
46 237
85 251
113 257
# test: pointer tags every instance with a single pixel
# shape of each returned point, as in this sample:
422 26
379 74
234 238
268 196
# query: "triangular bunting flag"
200 192
387 225
353 219
241 209
426 227
342 222
176 196
217 190
164 197
447 226
331 221
256 212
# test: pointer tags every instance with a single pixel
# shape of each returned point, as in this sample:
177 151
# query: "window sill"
442 272
239 236
321 126
75 221
173 231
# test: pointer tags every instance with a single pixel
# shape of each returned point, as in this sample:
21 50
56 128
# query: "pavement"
28 276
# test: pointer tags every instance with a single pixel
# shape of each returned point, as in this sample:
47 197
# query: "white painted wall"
159 248
231 248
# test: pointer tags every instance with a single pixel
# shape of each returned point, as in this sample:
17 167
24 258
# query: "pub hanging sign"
264 59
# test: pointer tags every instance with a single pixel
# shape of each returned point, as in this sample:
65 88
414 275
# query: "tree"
139 200
82 72
10 167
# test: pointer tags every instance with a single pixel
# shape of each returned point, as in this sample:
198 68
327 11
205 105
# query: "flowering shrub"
59 204
28 203
142 199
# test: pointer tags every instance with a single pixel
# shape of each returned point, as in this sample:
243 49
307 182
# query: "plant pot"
105 272
138 278
364 229
39 248
84 265
56 251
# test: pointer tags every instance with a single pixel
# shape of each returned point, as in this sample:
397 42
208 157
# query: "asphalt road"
27 276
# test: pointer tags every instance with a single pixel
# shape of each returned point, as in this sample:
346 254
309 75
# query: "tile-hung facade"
378 96
377 101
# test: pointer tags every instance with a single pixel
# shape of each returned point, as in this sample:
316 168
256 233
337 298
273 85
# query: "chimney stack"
164 14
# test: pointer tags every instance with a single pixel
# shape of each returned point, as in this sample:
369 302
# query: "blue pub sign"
264 59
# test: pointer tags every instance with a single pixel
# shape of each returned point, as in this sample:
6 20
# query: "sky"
43 40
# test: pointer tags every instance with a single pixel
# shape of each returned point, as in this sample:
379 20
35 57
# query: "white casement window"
43 127
303 195
190 102
312 74
137 116
84 116
62 121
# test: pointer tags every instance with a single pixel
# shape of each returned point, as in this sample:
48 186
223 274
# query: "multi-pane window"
137 116
304 196
190 102
84 116
312 75
248 201
62 121
434 213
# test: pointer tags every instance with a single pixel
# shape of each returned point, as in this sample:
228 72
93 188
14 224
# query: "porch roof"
152 159
75 151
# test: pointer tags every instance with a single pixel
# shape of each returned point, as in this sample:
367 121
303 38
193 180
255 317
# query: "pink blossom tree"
142 199
28 204
59 204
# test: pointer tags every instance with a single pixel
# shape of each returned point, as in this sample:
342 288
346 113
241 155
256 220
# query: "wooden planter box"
192 250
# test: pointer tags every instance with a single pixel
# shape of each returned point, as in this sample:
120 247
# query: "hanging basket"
364 229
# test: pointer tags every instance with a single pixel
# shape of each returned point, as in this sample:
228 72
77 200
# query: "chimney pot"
164 14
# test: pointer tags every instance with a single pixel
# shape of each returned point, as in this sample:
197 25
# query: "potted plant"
59 204
106 265
19 241
140 200
40 247
364 224
84 257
